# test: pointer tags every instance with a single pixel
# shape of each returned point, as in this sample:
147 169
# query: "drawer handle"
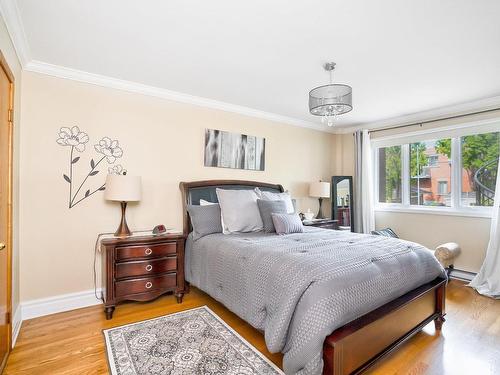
149 285
149 267
148 251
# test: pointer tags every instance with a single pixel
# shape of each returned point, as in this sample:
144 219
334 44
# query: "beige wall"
472 233
9 53
342 154
162 142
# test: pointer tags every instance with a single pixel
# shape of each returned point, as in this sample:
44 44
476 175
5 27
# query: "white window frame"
440 183
454 133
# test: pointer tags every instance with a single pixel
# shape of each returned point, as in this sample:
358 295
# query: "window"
429 168
433 160
443 188
456 174
479 159
389 172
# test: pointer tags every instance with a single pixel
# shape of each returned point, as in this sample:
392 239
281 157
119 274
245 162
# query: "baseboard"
17 321
462 275
64 302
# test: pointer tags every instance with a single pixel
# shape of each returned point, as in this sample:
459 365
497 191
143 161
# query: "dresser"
141 269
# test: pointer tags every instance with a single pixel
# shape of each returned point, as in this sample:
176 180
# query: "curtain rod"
435 120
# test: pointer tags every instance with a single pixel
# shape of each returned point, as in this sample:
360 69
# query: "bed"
333 302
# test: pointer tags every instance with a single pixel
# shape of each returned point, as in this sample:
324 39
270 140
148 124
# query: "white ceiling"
400 56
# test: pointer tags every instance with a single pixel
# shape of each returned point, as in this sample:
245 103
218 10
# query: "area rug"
195 341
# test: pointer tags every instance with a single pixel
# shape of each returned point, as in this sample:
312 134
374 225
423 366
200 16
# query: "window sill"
484 213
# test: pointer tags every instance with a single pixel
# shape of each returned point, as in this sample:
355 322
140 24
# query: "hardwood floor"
72 342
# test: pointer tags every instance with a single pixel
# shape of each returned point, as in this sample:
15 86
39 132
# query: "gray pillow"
270 196
287 223
205 220
267 208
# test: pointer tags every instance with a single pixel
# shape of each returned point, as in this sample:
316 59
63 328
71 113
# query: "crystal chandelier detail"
330 101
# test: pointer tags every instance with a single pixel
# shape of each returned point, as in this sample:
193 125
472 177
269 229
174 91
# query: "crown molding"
11 16
429 115
138 88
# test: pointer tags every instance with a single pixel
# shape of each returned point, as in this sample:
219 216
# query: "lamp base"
320 213
123 230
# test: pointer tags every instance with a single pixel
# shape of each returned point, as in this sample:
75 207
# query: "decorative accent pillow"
287 223
387 232
239 211
270 196
267 208
205 220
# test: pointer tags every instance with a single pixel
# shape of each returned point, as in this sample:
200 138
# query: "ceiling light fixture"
330 101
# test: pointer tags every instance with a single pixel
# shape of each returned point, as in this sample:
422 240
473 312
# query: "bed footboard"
354 347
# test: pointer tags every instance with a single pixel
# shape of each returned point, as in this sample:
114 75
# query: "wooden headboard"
193 191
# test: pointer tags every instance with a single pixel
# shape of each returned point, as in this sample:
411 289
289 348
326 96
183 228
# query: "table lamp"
319 190
123 188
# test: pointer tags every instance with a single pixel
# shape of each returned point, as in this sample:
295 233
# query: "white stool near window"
446 255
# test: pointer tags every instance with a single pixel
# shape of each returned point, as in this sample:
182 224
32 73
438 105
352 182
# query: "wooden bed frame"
353 348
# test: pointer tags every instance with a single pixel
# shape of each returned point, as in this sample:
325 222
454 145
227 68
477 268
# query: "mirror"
343 202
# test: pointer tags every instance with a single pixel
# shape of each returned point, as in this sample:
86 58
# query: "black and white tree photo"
232 150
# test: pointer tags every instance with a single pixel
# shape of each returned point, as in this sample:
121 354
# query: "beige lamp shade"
123 188
319 189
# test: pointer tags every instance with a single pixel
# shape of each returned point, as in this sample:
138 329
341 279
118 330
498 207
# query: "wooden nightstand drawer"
145 284
145 267
146 251
142 268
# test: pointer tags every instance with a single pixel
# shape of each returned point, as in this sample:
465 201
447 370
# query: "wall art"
232 150
108 151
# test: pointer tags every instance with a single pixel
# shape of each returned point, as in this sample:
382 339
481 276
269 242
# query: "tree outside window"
479 167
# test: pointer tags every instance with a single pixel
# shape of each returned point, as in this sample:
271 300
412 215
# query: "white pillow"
239 211
203 202
270 196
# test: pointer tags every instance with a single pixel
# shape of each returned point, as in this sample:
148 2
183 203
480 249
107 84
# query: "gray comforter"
300 287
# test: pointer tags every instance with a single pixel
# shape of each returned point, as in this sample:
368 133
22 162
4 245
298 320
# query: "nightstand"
322 223
142 268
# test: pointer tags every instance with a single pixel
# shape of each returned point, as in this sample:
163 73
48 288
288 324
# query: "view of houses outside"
430 171
430 175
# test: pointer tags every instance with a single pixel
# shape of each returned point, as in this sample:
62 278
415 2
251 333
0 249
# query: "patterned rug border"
112 370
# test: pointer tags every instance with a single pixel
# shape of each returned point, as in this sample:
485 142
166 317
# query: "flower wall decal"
108 149
73 137
116 169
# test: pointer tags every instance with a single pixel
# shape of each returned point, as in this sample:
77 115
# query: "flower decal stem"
102 187
77 140
92 172
70 172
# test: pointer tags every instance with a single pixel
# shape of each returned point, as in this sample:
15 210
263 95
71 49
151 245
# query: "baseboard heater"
462 275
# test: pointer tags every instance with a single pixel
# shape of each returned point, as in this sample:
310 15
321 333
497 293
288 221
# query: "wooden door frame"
5 67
